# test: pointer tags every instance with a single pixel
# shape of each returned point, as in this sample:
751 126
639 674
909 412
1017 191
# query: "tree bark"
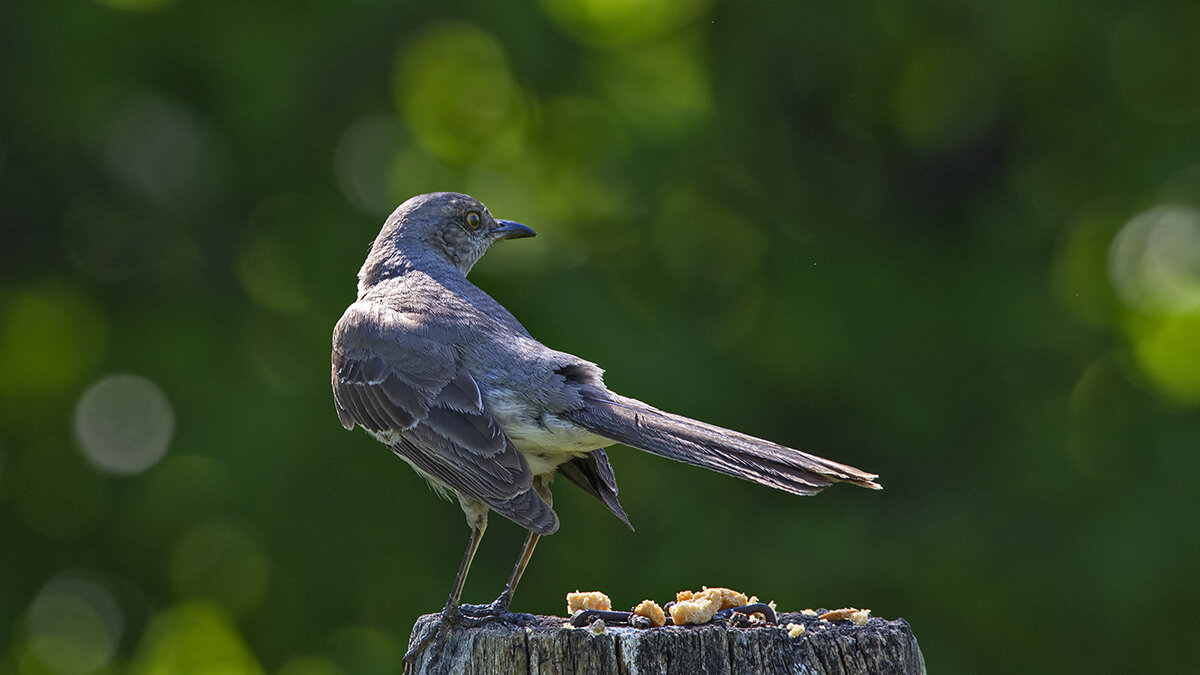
880 647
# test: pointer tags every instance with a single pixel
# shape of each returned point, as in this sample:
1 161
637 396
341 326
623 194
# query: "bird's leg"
450 613
498 609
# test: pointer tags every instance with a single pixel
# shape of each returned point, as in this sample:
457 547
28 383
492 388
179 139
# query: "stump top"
551 647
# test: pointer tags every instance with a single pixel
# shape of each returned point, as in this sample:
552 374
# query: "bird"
445 376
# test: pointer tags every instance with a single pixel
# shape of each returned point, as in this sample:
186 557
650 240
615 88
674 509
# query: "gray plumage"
447 378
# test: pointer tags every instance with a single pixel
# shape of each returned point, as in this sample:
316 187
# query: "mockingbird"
446 377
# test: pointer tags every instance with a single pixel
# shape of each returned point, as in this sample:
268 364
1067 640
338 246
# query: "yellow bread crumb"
728 597
697 609
795 629
587 600
861 617
725 597
843 614
809 612
651 610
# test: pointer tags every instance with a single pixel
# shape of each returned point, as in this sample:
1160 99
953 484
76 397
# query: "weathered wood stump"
880 647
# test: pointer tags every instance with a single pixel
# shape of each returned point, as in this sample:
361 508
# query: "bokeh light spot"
455 91
74 625
220 562
193 639
163 151
124 424
1154 261
1167 349
362 163
52 336
662 90
1080 268
620 22
415 170
946 97
269 275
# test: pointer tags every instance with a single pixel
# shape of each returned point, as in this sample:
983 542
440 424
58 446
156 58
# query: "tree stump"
551 647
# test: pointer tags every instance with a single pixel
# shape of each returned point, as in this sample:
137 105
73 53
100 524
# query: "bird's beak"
507 229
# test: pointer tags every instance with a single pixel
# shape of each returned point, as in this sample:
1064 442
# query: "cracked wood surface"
879 647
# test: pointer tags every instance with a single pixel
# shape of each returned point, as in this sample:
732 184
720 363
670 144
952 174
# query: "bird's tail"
633 423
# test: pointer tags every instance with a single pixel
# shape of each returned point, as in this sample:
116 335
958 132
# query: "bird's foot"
494 612
451 616
467 616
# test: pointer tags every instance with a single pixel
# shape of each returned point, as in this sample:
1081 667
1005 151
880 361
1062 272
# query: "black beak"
507 229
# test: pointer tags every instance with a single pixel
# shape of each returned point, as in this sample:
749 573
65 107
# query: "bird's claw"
467 616
495 612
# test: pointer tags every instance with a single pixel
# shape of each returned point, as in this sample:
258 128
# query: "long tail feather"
641 426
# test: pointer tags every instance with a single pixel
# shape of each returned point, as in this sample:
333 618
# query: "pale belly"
545 440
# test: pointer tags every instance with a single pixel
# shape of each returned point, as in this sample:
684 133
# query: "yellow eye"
473 220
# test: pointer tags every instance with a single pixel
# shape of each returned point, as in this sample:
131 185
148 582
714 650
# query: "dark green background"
881 232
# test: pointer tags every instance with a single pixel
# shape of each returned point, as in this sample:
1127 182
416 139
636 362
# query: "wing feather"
403 385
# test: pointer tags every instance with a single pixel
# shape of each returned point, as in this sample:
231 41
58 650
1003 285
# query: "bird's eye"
474 220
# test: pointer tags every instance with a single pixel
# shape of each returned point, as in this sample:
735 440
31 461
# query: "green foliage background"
957 244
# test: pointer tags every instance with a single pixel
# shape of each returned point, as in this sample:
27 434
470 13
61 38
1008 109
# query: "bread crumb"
807 612
651 610
693 608
843 614
693 612
861 617
795 629
587 600
727 597
698 608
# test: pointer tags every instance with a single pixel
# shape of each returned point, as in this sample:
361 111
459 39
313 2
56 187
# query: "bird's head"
434 228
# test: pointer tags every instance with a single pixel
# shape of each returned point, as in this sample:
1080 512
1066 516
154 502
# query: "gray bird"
446 377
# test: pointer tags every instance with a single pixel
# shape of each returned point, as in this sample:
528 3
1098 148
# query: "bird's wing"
400 379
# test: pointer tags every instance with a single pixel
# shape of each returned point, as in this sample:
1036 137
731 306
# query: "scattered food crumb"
842 614
651 610
695 610
587 600
861 617
795 629
727 597
809 612
597 627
